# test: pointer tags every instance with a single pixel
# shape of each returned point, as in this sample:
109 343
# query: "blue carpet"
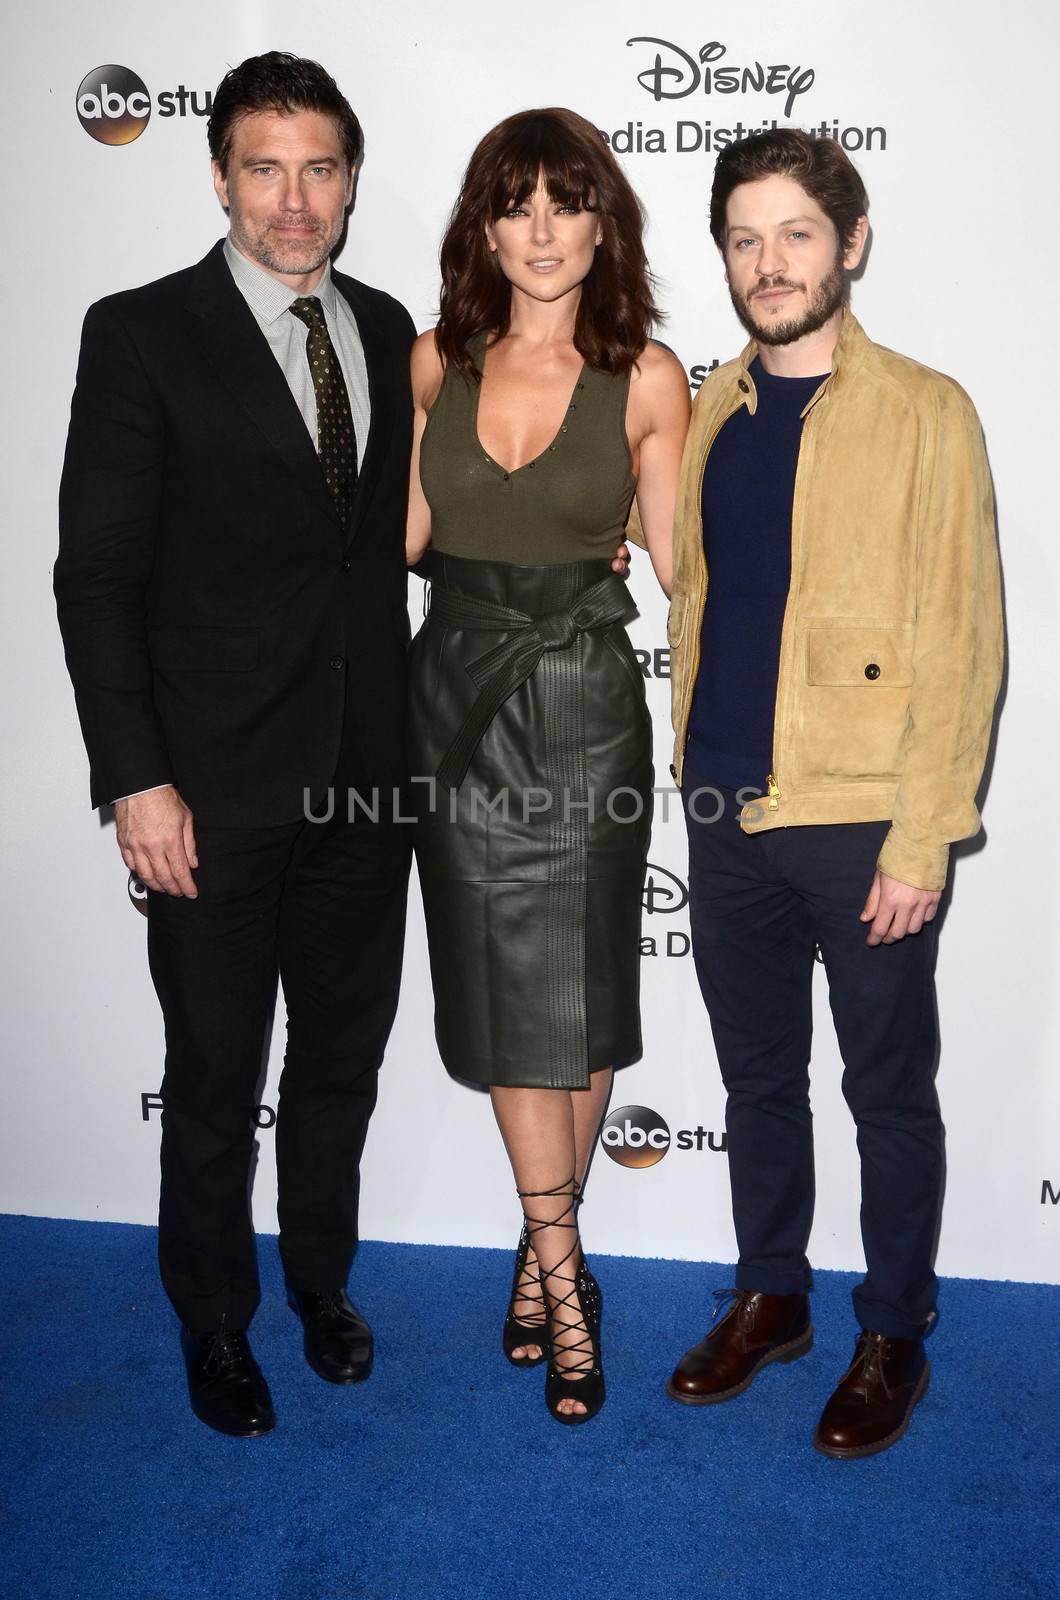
444 1476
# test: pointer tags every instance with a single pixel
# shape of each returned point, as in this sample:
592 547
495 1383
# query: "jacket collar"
852 348
232 343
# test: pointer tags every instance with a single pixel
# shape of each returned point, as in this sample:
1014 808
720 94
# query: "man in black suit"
231 590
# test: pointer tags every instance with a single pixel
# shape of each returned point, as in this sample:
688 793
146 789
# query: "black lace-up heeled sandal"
535 1331
518 1332
581 1377
583 1380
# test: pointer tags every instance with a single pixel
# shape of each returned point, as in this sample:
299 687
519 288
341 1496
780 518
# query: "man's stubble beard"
294 257
829 297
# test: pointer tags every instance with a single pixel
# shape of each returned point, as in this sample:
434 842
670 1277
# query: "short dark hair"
277 81
820 165
568 155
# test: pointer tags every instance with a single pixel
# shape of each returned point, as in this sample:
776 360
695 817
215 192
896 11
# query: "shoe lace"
225 1351
332 1304
869 1356
745 1317
573 1338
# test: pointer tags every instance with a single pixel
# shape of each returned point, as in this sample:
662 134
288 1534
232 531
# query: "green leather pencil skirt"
530 748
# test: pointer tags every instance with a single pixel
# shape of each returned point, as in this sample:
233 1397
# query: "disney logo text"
683 74
662 891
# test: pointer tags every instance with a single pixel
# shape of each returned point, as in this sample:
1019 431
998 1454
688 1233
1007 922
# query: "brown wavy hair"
820 165
617 308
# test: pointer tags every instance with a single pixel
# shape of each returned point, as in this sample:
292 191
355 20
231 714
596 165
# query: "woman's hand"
620 563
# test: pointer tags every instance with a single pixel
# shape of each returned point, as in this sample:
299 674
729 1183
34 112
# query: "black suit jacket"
223 630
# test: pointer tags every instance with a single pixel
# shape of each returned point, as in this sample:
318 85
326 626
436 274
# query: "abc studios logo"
113 104
635 1136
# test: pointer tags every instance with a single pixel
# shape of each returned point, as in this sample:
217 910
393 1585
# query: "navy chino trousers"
760 905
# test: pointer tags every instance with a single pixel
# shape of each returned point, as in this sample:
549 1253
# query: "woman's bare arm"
659 412
427 373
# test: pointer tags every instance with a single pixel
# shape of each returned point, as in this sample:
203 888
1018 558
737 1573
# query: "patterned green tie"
336 440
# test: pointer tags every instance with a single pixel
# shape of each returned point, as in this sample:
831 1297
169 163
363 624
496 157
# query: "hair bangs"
537 152
569 157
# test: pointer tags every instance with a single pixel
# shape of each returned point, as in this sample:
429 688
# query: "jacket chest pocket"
858 655
855 699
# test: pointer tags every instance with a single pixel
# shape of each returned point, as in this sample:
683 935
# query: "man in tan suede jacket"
836 652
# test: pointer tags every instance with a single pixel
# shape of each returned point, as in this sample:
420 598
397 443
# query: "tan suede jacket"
891 648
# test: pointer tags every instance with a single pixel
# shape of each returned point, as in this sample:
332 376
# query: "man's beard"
827 299
292 256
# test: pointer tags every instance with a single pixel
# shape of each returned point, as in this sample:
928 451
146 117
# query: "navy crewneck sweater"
748 489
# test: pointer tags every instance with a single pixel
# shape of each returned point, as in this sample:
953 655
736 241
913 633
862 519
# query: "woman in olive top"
542 407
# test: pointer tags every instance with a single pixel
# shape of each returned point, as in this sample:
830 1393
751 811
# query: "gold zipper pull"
773 790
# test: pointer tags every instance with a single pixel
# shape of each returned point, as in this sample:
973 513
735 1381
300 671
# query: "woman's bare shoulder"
658 366
427 368
659 389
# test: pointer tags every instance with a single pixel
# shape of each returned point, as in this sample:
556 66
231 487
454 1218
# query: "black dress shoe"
338 1341
874 1400
227 1389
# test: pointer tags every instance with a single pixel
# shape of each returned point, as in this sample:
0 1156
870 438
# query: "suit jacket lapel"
378 359
232 343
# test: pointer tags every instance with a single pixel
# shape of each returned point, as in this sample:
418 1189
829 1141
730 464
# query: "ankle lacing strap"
571 1338
527 1285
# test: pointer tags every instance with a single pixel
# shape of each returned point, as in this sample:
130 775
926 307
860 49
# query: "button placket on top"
508 476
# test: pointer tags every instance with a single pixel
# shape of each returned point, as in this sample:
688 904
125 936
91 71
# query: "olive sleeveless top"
569 504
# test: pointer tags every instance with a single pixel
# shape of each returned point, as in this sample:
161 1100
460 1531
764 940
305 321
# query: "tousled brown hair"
568 154
277 81
820 165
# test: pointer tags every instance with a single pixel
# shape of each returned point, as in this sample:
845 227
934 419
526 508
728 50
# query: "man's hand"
621 562
896 908
157 841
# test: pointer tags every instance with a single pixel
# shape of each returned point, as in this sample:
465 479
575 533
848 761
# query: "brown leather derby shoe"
756 1329
874 1400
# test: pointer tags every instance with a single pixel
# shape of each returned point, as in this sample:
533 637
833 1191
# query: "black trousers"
760 904
321 905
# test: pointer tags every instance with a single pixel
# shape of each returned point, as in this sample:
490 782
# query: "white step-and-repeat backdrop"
947 110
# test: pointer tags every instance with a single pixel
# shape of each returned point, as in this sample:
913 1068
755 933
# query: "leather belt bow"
500 671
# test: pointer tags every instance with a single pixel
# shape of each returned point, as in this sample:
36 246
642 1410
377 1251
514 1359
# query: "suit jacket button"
743 387
337 663
346 565
872 671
